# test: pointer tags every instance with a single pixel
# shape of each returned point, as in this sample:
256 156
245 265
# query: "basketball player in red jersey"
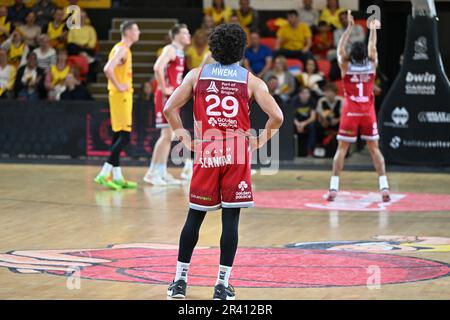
358 69
221 179
169 70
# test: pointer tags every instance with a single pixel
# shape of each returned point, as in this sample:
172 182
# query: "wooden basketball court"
58 207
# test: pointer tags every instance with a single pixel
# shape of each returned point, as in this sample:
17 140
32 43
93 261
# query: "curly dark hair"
227 43
358 52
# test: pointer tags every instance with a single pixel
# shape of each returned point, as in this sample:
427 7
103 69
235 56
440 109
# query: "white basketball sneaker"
154 178
170 180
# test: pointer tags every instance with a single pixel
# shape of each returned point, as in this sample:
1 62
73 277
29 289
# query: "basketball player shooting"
358 69
221 175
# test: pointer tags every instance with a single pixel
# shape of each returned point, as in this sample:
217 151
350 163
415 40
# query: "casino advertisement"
414 119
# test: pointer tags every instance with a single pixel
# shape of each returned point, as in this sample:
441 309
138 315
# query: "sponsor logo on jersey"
243 194
212 122
212 88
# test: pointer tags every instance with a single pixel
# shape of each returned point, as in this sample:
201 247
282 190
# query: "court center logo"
254 267
420 49
381 244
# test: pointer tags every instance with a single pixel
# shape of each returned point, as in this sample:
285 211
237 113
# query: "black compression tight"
228 240
120 140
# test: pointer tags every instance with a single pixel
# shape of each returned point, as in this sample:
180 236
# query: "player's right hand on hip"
122 87
168 91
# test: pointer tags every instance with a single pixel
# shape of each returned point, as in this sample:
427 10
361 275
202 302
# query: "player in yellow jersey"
119 72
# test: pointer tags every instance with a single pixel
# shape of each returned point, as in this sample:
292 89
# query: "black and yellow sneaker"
224 293
177 289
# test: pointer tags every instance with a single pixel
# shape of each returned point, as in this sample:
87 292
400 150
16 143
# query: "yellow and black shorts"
121 110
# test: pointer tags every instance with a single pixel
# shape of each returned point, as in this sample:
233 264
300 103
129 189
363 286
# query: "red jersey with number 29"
221 101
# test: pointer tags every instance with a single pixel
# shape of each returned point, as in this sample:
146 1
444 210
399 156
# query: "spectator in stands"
147 91
305 117
56 76
30 30
75 90
331 13
196 53
235 20
308 14
43 9
17 13
329 112
286 81
248 17
83 41
272 85
357 34
258 57
7 75
28 80
57 30
312 78
219 12
294 39
17 49
208 24
5 25
323 40
46 55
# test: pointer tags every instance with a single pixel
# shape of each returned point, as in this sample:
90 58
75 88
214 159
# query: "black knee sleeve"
230 235
189 235
120 140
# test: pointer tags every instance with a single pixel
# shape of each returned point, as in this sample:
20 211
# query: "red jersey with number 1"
358 113
358 86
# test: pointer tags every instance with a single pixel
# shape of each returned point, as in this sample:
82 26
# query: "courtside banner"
414 119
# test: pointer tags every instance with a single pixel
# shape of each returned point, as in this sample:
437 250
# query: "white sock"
182 271
163 169
117 173
334 183
383 182
156 168
106 170
223 275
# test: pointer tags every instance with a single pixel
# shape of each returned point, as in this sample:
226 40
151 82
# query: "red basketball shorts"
221 175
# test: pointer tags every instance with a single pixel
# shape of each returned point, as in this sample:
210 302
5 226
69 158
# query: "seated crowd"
296 58
40 58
